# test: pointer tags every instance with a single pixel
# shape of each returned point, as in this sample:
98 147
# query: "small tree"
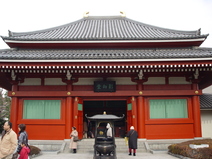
5 102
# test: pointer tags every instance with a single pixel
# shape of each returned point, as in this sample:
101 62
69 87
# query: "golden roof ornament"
85 14
123 14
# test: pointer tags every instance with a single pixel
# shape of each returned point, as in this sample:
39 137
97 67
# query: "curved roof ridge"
195 32
104 28
43 30
11 33
105 17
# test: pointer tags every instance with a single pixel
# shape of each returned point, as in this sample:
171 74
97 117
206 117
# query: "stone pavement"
143 155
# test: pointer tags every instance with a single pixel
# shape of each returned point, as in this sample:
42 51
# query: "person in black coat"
23 136
89 129
132 140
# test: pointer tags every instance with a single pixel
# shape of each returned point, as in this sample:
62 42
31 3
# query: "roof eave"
110 60
105 43
205 108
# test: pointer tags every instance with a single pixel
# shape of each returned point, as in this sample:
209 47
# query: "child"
24 154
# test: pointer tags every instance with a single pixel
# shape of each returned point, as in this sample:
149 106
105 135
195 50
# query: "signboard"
104 86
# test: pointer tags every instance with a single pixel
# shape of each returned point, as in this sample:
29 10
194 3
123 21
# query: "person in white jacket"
8 141
109 130
73 144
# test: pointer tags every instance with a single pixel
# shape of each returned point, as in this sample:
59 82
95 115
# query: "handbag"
75 138
126 140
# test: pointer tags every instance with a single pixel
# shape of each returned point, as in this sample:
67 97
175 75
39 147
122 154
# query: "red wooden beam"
99 94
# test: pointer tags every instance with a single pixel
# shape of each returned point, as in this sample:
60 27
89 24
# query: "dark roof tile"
105 54
105 28
206 101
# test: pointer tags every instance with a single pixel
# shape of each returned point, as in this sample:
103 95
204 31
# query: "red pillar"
141 111
141 118
13 113
196 111
69 117
69 111
196 115
14 109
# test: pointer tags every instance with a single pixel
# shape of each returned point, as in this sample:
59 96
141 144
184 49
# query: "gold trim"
68 93
196 92
13 93
140 92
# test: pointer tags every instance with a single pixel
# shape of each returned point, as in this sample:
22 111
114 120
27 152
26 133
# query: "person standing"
73 144
109 130
8 141
23 136
85 130
133 139
24 154
89 129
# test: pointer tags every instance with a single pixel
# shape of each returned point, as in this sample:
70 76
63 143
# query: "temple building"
113 64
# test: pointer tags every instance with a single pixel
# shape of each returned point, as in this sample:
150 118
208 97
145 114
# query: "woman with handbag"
132 140
74 139
22 138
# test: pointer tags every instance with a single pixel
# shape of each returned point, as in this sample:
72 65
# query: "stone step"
86 145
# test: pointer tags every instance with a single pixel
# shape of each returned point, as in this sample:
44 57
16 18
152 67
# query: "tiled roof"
206 101
104 28
12 54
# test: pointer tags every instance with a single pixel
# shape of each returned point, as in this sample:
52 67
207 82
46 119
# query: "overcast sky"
32 15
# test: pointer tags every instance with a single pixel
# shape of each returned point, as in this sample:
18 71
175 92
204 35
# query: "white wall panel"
31 82
155 80
53 81
178 80
206 122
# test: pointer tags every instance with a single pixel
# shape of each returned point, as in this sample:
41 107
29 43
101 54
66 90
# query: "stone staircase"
86 145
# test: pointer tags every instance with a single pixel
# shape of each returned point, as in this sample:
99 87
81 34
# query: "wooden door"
131 113
78 116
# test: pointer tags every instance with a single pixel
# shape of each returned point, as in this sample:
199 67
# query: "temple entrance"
116 107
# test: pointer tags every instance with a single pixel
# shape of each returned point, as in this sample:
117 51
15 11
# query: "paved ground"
119 156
